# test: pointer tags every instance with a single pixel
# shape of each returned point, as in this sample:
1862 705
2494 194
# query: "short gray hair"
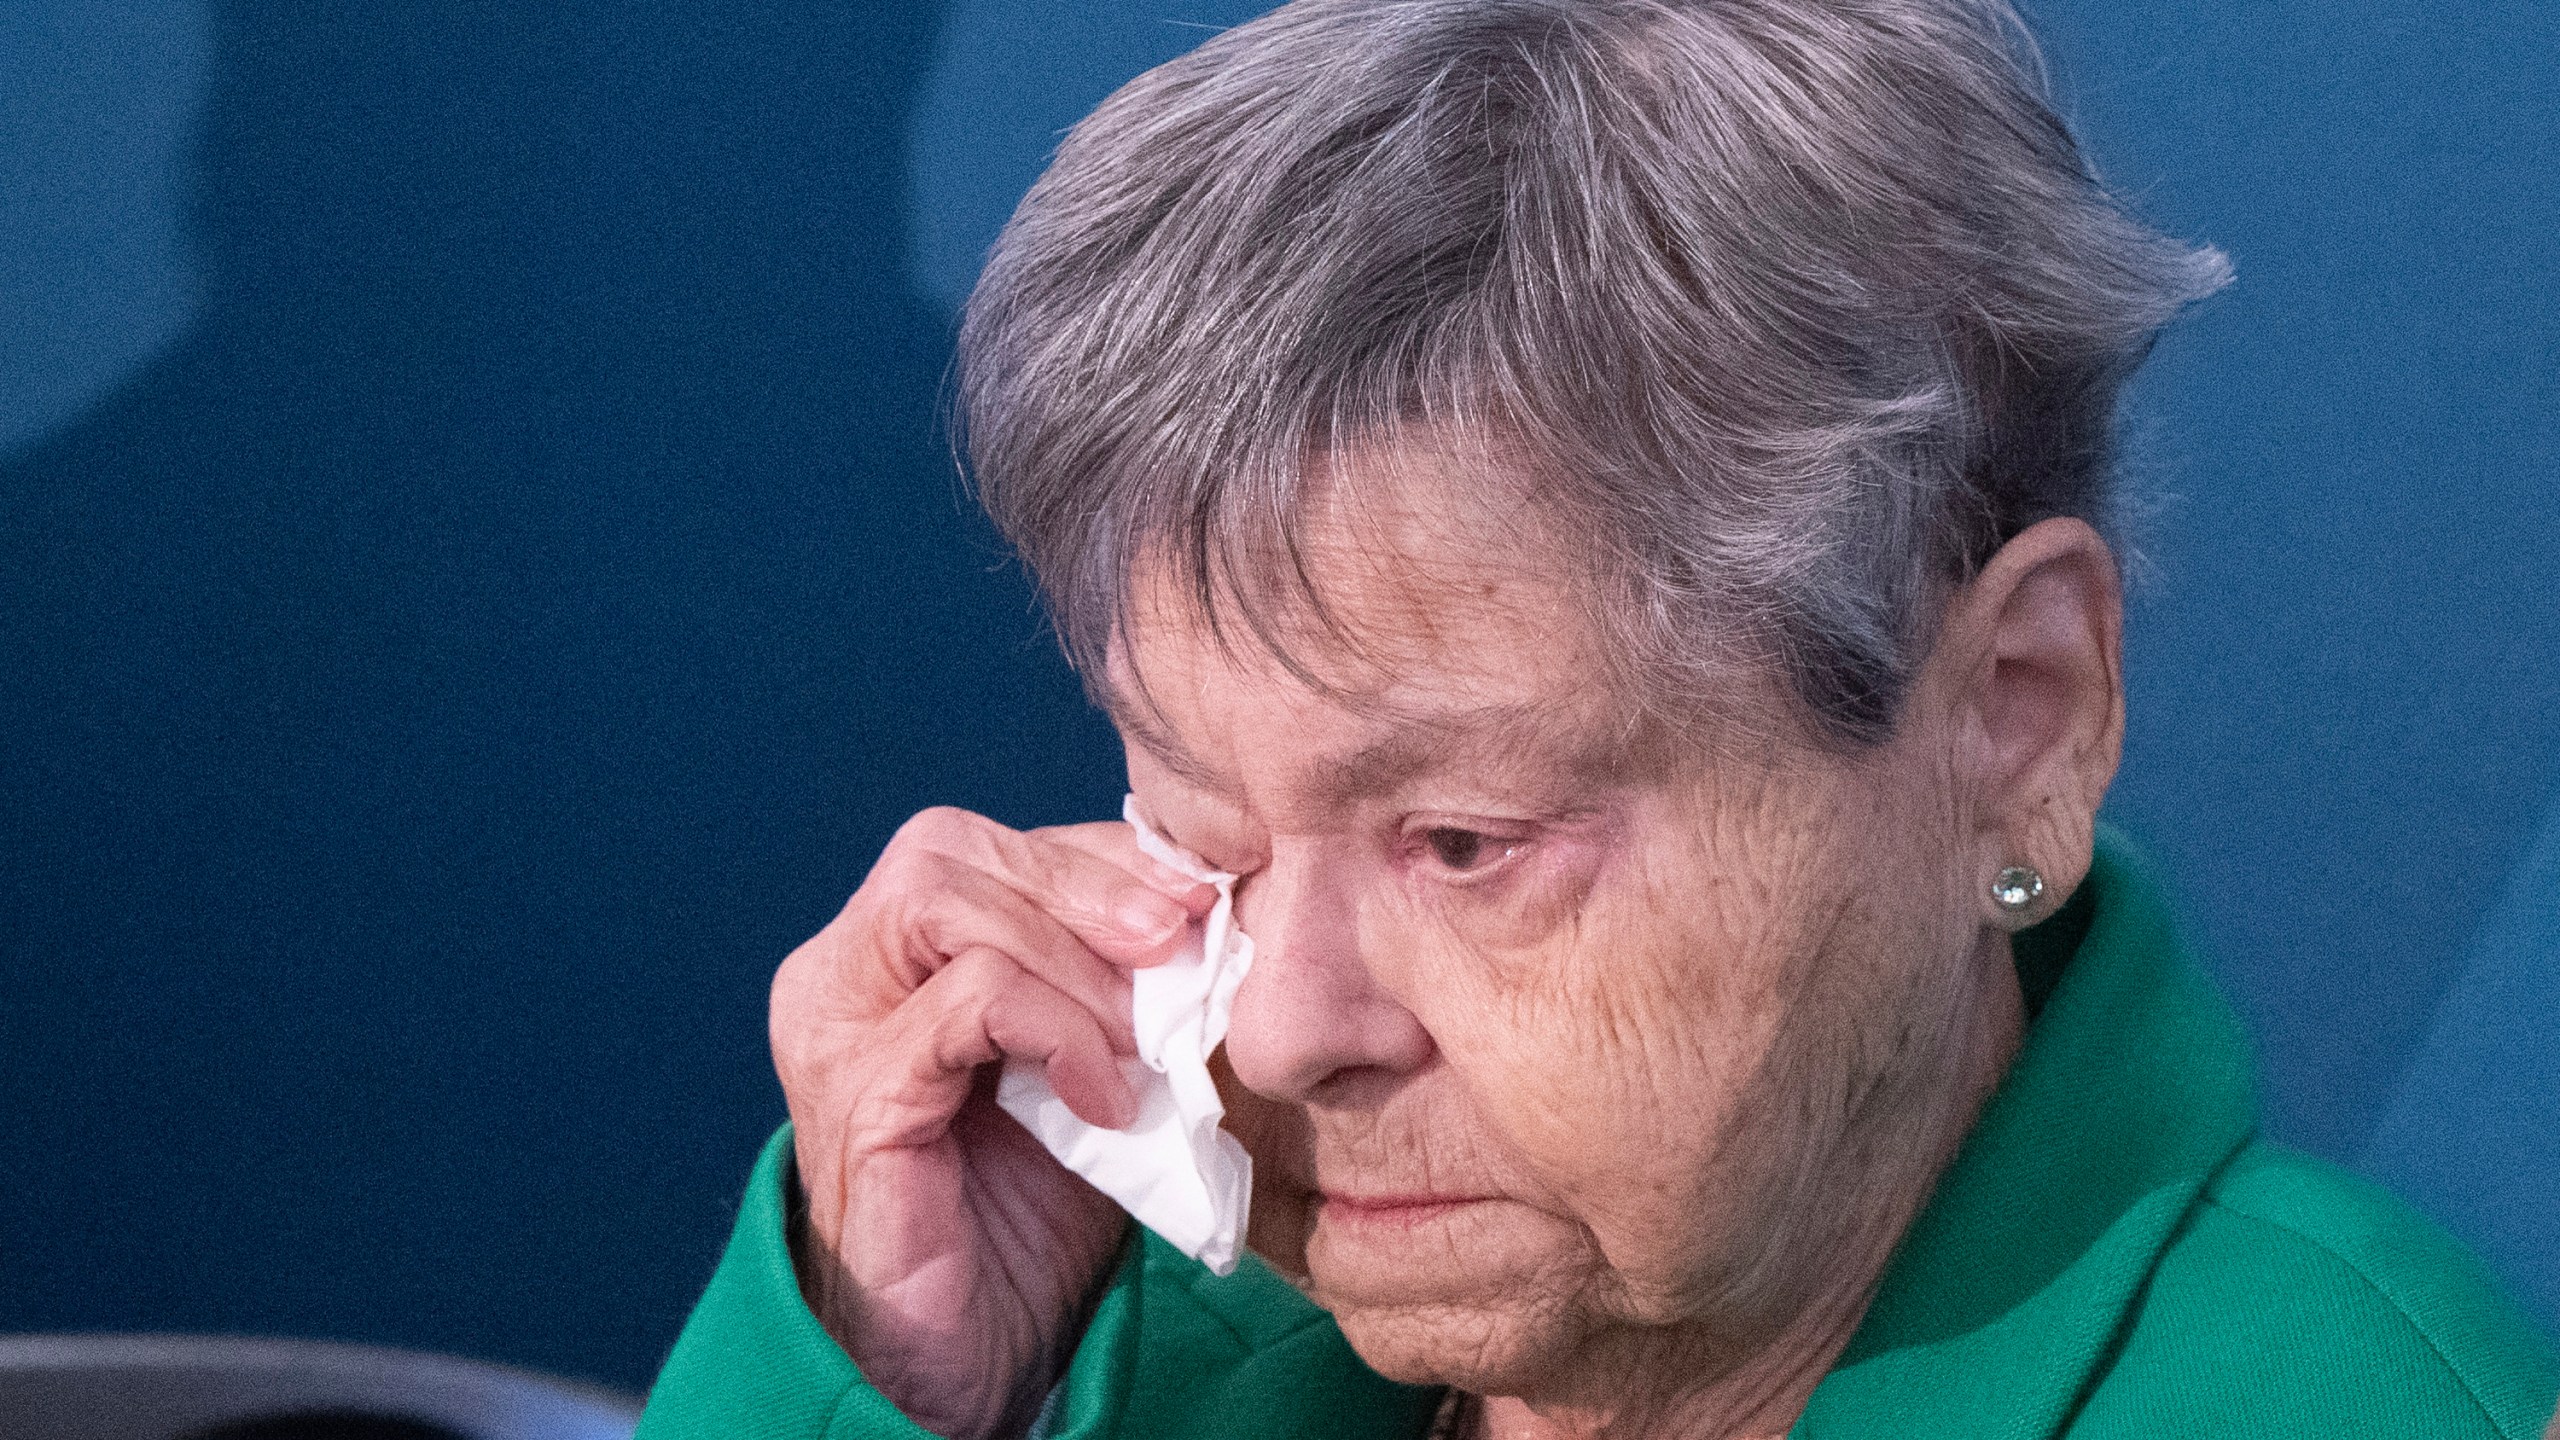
1802 309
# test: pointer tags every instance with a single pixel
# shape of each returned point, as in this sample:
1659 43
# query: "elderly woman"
1596 511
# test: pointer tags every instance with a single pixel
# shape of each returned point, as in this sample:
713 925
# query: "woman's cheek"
1553 994
1523 995
1602 1041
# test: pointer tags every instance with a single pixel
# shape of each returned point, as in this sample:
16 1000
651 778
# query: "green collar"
2132 1089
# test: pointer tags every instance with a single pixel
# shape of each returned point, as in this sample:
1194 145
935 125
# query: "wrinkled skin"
1590 1064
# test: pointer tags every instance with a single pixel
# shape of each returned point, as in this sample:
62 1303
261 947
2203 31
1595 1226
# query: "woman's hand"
941 1246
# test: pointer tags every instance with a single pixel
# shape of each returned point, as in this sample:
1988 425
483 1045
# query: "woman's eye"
1463 849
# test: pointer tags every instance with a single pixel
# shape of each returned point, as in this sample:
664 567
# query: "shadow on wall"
2474 1134
100 100
448 680
1009 77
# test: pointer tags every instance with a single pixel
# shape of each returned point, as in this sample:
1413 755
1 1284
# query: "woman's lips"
1392 1210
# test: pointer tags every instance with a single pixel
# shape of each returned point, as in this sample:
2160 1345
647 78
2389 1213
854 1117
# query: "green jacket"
2112 1254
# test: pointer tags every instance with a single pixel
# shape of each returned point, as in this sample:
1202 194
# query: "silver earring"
2016 888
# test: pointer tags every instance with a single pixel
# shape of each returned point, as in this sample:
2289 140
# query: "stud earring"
2016 888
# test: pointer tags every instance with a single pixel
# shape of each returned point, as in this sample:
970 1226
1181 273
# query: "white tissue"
1173 1168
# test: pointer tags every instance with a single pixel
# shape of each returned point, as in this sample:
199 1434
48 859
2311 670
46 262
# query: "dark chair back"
213 1387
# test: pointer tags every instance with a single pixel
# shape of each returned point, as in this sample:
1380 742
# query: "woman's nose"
1310 1017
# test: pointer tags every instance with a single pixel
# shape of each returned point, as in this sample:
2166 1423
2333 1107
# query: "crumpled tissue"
1173 1169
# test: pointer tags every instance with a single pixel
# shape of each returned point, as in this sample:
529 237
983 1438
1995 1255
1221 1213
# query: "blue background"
480 577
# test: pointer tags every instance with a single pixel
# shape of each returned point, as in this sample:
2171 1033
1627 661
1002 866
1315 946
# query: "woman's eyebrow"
1167 751
1546 737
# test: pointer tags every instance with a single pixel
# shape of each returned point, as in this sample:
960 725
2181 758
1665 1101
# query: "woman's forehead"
1383 635
1398 557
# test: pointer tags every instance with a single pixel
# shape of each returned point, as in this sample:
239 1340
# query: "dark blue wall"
445 681
480 577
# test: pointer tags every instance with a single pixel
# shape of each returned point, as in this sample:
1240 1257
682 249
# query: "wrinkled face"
1565 1034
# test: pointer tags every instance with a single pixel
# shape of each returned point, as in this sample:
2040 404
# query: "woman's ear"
2035 648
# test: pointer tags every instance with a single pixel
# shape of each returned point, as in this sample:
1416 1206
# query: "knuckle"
977 979
935 827
946 837
906 869
950 918
1011 851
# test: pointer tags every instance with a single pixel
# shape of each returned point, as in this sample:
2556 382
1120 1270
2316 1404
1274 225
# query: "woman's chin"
1475 1293
1486 1349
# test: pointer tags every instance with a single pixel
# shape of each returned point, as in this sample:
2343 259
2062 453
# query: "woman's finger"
969 910
1126 911
978 1010
1115 842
